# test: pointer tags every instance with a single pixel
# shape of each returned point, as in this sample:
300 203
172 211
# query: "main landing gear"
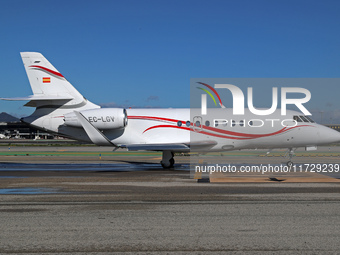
168 159
290 155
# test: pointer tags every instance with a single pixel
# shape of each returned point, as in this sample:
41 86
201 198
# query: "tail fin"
49 86
47 82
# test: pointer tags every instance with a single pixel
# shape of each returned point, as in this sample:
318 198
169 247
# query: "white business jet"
62 110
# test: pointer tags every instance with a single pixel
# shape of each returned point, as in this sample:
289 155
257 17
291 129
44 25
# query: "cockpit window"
304 118
297 118
310 119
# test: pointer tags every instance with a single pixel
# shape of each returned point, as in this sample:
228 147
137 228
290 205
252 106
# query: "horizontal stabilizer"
39 98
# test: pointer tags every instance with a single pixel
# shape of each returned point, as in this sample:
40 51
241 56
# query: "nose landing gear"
290 153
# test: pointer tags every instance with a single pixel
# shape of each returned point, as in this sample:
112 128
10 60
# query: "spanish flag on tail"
46 79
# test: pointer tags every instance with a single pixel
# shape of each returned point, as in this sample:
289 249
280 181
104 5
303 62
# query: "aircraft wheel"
169 164
168 159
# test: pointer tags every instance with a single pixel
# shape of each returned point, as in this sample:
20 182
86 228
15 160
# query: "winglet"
94 134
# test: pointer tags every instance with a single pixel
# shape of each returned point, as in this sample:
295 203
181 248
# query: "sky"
144 53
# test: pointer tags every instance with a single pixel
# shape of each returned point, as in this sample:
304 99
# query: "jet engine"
103 118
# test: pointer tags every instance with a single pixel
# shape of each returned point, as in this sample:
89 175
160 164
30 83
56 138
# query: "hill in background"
5 117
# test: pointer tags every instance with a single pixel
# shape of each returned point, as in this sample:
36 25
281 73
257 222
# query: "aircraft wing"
202 145
181 147
157 147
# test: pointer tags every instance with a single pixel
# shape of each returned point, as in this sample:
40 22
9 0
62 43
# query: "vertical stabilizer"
47 82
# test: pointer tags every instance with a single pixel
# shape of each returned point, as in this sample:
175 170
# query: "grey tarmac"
144 209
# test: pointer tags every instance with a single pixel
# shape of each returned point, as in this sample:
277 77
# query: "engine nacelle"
104 118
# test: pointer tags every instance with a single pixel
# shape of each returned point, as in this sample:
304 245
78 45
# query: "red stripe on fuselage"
222 133
166 126
153 118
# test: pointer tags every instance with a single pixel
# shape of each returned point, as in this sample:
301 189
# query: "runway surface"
76 204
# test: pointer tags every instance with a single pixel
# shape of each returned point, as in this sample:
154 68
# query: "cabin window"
207 123
187 123
223 123
233 123
179 123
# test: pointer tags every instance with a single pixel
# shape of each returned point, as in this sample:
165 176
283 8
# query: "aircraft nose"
328 135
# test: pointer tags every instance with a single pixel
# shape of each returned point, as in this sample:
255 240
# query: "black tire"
171 164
